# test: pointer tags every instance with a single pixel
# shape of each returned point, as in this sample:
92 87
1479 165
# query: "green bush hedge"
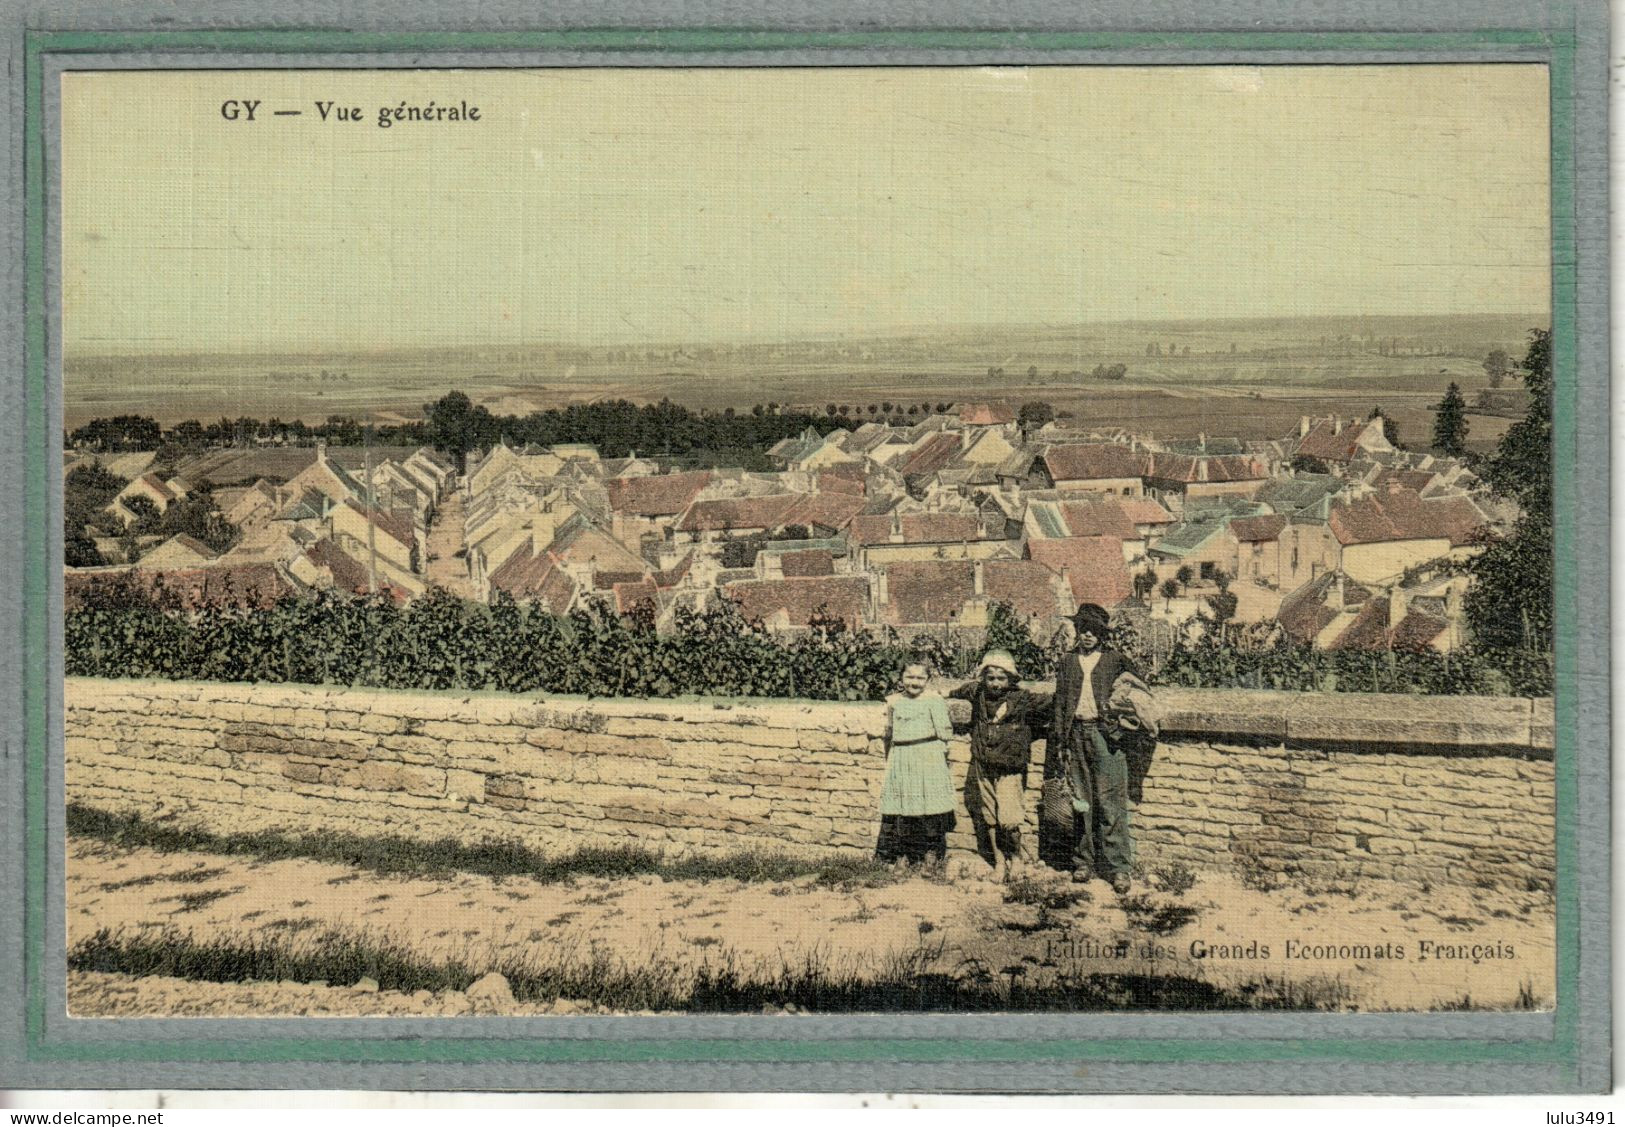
117 629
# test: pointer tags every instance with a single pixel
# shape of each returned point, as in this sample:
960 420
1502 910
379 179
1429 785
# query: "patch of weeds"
344 879
910 980
704 941
1144 914
1045 894
1175 879
1255 876
492 857
286 924
557 921
190 876
380 898
1463 922
863 915
197 901
300 904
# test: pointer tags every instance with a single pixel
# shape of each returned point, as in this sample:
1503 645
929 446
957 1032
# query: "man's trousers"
1097 772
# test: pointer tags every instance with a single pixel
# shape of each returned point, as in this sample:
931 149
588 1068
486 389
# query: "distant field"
1251 379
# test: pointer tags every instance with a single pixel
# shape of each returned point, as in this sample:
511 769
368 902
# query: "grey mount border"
1589 1071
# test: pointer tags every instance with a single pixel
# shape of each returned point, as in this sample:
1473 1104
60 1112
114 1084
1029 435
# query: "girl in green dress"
917 799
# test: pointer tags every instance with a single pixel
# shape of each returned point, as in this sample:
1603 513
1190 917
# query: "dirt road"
1370 946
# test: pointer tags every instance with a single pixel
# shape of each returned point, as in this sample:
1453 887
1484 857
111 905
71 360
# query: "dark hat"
1093 618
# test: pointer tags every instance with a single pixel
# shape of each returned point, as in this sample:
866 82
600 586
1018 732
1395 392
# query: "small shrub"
1176 878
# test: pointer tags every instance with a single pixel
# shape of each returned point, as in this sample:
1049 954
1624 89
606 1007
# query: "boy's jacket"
1003 743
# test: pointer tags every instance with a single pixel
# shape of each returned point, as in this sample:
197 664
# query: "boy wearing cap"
1003 719
1086 728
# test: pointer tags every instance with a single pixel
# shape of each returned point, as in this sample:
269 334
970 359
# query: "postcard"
1053 561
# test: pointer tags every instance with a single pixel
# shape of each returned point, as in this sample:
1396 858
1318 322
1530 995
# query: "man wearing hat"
1085 731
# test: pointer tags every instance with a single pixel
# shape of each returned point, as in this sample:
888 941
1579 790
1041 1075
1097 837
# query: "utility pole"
372 510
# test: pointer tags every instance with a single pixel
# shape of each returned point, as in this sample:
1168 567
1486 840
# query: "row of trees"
455 424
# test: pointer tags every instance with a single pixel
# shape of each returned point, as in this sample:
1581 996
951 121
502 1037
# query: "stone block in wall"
465 786
1364 718
303 772
1543 724
430 782
1259 715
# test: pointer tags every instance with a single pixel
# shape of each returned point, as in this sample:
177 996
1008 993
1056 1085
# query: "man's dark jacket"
1069 690
1003 745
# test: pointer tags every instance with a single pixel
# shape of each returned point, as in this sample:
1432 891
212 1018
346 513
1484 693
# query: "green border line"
1559 47
1565 573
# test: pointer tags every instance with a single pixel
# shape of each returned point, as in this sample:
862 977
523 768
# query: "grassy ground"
160 921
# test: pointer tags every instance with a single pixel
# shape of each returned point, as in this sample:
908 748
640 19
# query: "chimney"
1338 594
1337 425
978 580
896 527
883 587
1303 426
1201 441
321 452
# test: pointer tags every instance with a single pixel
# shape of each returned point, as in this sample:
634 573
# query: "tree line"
456 425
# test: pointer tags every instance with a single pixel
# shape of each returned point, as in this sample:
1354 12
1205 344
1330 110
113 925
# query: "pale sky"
603 206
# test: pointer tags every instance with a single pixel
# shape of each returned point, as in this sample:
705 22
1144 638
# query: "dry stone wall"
1302 785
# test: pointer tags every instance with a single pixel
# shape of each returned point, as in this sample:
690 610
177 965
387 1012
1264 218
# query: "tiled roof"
1094 567
1093 462
1143 510
739 512
1368 631
630 596
838 596
1188 469
397 525
827 510
986 414
846 478
1027 585
1188 535
1303 613
917 528
1321 443
537 577
1098 518
1294 494
1417 630
927 591
1403 515
349 574
675 574
807 563
658 495
1257 529
929 456
1207 446
191 544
